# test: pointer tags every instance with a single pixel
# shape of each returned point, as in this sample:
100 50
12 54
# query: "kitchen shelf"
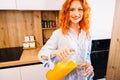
49 21
29 48
49 28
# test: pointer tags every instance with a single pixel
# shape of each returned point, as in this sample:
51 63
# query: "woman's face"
76 11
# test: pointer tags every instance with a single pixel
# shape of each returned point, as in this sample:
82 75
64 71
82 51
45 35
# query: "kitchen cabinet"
31 4
7 5
33 72
39 4
101 18
26 23
10 74
15 25
49 21
30 72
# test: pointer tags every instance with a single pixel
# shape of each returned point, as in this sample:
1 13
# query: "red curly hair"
64 17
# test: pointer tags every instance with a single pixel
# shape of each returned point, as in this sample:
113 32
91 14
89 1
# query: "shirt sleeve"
89 51
50 45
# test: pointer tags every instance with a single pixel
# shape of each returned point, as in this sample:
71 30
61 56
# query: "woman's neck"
76 28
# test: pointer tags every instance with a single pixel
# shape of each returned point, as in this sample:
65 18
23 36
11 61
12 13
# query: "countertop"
28 56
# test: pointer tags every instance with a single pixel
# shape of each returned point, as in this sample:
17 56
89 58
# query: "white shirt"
81 44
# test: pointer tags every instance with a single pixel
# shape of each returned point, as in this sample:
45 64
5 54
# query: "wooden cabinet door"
7 5
34 72
10 74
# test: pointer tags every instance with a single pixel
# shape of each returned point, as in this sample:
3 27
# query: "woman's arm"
61 53
89 67
50 46
53 54
50 49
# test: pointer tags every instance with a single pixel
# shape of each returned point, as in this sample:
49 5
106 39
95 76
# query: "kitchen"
19 19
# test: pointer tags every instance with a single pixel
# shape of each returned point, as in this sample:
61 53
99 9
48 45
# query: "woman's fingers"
92 74
89 69
88 72
59 55
72 50
64 52
82 66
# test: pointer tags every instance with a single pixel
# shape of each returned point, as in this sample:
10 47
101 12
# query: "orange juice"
61 69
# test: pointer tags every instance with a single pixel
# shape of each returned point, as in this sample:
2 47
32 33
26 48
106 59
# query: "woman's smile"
76 17
76 11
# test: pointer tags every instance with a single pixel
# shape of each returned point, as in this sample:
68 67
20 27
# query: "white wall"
102 12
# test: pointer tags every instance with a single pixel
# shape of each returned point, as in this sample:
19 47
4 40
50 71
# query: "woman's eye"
80 9
71 9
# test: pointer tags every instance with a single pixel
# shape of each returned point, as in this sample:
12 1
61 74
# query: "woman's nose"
76 12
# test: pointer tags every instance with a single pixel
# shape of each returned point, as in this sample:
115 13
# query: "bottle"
62 68
53 23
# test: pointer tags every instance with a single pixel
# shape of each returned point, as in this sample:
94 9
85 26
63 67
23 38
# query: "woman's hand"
89 69
63 53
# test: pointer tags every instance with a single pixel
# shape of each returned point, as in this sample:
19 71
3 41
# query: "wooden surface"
49 15
113 68
14 25
47 34
28 56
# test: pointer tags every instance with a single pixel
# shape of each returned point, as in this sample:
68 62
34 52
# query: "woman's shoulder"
84 34
57 31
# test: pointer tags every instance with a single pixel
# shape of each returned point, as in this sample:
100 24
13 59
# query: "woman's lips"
75 18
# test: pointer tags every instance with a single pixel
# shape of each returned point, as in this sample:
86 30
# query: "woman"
73 35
